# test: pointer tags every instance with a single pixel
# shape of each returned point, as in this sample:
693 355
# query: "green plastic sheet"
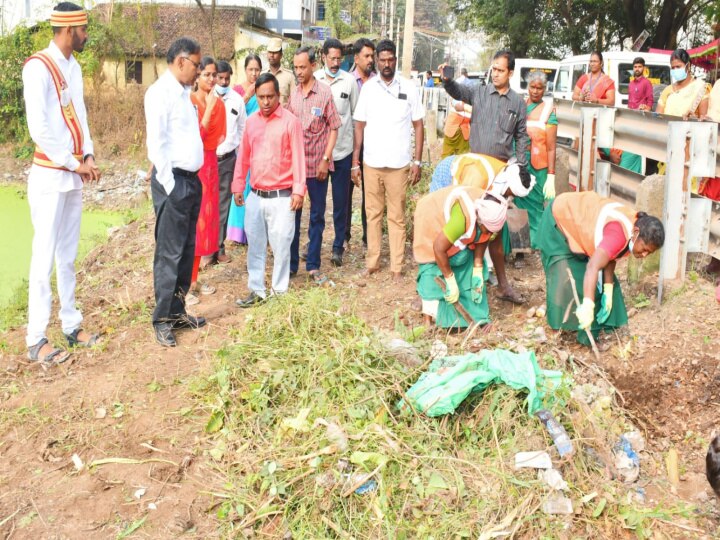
448 381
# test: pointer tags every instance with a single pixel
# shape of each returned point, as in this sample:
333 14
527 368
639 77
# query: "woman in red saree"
211 114
594 86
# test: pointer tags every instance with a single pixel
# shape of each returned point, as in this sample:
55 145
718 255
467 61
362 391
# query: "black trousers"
176 217
363 215
226 169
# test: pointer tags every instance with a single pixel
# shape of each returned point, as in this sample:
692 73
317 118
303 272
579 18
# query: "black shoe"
336 258
293 273
164 334
251 300
188 321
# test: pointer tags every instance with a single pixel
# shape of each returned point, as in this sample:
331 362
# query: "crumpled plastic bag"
448 381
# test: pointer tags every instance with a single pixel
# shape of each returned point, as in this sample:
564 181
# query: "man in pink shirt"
640 91
272 150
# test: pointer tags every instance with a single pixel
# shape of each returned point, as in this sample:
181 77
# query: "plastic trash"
627 462
448 381
533 460
636 440
625 446
368 487
557 504
438 349
553 478
557 432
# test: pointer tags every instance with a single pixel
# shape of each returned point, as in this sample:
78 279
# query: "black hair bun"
712 465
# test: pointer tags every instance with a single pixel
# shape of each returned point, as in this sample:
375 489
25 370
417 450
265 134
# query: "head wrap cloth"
61 19
491 212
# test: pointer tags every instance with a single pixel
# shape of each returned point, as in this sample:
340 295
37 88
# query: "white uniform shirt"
345 95
173 129
388 110
46 124
235 117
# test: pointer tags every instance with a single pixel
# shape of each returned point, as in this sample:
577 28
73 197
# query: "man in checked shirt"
312 102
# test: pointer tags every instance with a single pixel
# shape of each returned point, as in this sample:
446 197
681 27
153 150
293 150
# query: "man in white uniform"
63 160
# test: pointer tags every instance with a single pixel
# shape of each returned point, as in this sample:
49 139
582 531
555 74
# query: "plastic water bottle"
557 432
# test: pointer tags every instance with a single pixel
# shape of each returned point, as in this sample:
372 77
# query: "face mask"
221 90
631 244
330 73
678 74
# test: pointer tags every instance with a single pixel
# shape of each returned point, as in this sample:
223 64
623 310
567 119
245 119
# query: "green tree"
552 28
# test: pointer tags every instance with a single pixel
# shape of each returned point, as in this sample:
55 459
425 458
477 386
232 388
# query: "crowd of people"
235 164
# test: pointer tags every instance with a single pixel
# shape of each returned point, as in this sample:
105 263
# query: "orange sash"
68 113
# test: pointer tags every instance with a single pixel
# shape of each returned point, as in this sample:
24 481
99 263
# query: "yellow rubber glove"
549 187
476 291
606 303
585 313
452 293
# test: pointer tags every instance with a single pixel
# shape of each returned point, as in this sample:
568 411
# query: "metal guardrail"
689 149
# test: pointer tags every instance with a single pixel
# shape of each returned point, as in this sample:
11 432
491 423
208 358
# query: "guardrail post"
587 151
596 131
690 152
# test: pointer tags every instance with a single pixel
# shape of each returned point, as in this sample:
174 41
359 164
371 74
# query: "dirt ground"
107 445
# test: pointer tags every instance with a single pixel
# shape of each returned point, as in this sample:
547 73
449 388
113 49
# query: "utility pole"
392 18
372 10
408 38
383 20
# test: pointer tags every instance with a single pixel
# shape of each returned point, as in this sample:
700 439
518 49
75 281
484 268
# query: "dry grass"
117 120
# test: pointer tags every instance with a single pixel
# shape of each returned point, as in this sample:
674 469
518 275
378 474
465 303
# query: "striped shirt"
318 115
498 120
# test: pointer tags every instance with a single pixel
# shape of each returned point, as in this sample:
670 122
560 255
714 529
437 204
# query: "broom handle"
577 301
458 306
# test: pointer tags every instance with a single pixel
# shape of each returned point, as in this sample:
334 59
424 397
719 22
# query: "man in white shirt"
345 95
387 113
235 117
63 160
176 152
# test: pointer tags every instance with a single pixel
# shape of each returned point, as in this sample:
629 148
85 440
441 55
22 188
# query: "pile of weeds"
308 442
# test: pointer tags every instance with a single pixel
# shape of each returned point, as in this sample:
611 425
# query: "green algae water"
16 232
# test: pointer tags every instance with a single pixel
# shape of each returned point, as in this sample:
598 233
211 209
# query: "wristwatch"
417 162
326 159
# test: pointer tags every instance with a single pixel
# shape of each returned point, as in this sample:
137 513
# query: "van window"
526 71
655 74
578 71
563 80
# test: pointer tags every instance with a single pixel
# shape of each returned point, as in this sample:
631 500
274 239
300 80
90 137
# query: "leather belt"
182 172
226 156
273 194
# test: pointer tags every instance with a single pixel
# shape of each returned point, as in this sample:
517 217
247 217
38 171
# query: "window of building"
133 71
321 11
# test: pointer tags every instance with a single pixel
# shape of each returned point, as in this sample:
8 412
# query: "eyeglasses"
196 64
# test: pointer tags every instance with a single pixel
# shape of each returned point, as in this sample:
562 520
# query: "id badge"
316 111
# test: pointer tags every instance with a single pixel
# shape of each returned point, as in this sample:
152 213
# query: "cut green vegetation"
307 437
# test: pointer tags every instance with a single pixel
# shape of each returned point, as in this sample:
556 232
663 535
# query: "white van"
523 68
619 66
